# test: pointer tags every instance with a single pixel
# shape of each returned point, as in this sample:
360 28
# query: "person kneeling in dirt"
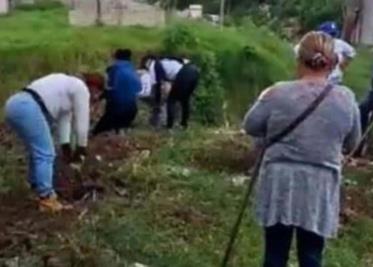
56 99
121 96
298 191
184 77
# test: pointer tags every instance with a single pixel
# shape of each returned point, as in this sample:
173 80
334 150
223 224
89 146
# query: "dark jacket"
124 85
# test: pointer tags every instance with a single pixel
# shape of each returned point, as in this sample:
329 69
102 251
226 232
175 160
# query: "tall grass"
33 43
248 58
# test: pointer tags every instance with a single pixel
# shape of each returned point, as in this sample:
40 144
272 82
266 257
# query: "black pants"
181 92
366 109
114 121
278 240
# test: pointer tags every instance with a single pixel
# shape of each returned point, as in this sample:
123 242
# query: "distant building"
195 11
192 12
115 12
4 7
26 2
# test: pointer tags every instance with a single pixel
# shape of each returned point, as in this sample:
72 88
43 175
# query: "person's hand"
80 154
66 152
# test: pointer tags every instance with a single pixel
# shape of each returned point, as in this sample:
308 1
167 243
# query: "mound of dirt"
21 223
230 154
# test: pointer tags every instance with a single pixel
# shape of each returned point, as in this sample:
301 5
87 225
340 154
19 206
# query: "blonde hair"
316 51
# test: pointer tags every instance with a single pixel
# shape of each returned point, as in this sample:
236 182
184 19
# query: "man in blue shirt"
121 95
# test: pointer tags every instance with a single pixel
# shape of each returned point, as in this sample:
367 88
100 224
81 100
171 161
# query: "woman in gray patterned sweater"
300 178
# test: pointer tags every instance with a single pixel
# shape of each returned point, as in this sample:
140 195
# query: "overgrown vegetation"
301 14
241 60
174 201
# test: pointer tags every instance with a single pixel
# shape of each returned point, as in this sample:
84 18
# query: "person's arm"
296 50
109 82
354 136
80 102
139 84
256 119
64 128
160 76
348 54
147 85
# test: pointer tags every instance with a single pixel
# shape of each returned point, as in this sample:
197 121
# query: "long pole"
222 13
236 228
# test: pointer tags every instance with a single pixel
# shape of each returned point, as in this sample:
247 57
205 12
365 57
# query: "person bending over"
54 100
184 77
121 95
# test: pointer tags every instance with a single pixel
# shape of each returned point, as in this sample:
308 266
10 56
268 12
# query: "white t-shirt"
170 67
146 84
67 100
344 51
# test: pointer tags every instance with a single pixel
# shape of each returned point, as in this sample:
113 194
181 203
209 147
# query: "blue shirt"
124 86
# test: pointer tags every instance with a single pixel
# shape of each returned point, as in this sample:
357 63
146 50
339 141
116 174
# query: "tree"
351 15
99 12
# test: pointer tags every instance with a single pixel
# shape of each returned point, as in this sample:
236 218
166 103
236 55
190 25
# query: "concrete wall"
195 11
26 2
367 23
116 12
4 7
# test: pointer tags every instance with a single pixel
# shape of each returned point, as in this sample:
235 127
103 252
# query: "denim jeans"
26 118
278 240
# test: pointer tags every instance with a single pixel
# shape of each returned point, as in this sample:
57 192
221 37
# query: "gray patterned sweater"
300 176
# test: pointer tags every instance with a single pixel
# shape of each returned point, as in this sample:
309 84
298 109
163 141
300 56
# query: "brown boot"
51 204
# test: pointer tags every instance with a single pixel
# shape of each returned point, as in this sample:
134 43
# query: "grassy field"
248 59
33 43
169 199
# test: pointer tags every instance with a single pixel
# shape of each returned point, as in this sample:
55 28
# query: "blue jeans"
26 118
278 240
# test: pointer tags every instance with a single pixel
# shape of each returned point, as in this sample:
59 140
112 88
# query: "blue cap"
330 27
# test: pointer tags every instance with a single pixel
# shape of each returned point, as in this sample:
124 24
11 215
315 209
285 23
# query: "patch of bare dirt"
21 223
231 154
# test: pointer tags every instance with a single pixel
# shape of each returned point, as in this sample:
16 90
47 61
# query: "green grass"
180 208
183 217
34 43
359 73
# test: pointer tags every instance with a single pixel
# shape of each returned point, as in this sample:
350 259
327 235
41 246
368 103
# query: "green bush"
312 13
236 62
180 39
41 5
210 95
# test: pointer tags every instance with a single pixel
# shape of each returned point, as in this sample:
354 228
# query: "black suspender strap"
40 102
